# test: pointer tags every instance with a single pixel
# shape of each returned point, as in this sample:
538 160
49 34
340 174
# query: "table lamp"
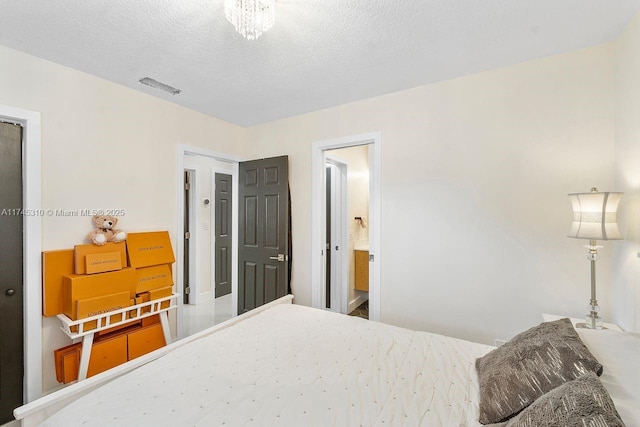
594 218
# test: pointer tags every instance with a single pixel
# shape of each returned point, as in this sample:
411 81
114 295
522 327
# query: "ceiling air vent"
158 85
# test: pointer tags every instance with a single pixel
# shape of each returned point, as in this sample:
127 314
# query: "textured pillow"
534 362
578 403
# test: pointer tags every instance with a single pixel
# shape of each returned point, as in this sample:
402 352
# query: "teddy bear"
104 231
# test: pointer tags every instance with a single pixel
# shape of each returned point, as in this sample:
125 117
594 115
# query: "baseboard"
359 299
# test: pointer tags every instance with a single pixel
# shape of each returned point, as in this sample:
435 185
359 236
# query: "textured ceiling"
319 53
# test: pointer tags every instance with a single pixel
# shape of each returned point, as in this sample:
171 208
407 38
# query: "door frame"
340 190
318 159
32 249
183 150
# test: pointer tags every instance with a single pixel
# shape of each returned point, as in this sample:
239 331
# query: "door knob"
280 257
10 292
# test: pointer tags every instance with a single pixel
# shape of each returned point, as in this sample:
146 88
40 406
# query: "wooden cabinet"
362 270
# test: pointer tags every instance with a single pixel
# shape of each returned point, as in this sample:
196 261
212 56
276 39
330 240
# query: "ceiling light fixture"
250 18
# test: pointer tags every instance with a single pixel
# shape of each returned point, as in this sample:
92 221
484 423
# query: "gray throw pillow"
534 362
578 403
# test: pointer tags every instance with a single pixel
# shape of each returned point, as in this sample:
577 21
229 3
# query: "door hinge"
370 257
187 290
187 235
187 186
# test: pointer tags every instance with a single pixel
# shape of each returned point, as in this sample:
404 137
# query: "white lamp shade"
595 216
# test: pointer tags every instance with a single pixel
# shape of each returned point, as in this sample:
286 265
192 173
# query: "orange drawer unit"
107 354
145 340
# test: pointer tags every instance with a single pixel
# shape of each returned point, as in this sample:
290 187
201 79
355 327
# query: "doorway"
207 241
198 247
11 270
320 151
347 202
32 247
263 228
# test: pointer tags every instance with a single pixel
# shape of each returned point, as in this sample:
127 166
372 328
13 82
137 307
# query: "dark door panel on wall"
223 227
11 289
262 232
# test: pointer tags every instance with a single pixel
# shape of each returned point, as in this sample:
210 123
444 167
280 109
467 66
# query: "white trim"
318 150
32 287
189 150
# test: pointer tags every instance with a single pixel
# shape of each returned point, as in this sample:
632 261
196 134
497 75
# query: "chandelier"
251 18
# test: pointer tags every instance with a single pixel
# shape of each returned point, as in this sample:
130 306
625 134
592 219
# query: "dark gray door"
11 295
262 232
186 261
223 234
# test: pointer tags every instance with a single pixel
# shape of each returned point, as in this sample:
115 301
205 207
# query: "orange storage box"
55 265
67 361
80 287
81 252
107 354
145 341
148 278
143 297
100 263
94 306
148 249
161 293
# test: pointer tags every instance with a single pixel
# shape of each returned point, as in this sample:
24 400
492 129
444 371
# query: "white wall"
357 159
203 229
104 146
627 262
475 176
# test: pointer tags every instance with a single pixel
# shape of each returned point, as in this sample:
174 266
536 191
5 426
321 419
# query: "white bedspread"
295 366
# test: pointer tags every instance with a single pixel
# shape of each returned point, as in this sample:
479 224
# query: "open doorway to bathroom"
319 151
346 230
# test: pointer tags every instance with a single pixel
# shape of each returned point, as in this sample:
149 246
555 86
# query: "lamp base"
584 325
593 321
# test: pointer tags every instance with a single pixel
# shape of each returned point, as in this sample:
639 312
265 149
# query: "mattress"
291 366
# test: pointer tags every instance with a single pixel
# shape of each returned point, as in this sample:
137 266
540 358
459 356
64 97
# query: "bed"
285 365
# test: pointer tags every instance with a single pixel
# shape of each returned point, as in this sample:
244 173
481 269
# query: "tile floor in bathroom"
361 311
